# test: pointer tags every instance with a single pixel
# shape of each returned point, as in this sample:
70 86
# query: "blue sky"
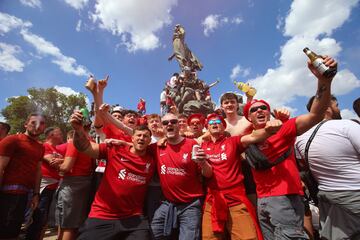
59 42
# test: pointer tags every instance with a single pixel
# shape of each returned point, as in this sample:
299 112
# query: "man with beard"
334 160
49 182
278 185
20 174
116 212
180 184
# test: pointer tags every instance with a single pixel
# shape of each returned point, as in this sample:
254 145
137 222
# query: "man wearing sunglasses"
227 208
180 183
279 189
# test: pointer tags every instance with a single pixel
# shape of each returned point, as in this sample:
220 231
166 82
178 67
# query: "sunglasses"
172 121
254 109
212 122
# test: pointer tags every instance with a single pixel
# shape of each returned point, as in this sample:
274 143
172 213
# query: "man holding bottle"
279 189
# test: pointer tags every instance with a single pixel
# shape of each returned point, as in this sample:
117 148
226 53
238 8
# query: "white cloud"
239 71
9 22
66 90
77 4
348 114
135 21
211 23
236 20
279 22
291 78
31 3
8 60
45 48
317 17
214 21
78 26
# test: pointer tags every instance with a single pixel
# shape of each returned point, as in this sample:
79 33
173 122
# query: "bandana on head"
214 115
249 104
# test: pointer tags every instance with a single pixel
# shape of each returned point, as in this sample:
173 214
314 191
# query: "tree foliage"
56 106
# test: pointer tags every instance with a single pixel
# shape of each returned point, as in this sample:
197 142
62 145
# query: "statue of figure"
183 54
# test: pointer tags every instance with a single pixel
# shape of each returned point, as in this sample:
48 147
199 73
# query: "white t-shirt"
334 155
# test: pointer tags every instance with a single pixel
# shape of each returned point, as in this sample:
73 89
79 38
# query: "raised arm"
261 135
108 118
81 140
98 92
321 101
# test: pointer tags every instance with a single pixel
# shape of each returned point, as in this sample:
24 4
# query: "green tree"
56 106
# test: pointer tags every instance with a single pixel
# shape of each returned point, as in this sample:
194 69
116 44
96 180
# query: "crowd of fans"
171 176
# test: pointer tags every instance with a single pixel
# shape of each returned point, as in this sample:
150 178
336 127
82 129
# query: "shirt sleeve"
71 150
352 132
288 129
236 141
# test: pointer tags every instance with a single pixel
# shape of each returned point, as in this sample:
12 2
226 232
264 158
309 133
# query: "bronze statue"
183 54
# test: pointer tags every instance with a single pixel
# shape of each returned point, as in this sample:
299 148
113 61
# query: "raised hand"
76 120
273 126
328 61
103 83
282 114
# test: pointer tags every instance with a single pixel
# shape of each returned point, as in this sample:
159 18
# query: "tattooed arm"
81 140
321 101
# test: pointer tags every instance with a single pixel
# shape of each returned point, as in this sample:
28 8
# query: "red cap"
196 115
214 115
249 104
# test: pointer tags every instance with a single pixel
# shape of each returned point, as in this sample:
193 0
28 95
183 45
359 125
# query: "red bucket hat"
249 104
196 115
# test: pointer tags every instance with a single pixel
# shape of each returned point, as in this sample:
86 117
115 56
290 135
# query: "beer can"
195 148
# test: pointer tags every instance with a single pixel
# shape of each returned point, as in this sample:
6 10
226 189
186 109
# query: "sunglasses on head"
172 121
254 109
217 121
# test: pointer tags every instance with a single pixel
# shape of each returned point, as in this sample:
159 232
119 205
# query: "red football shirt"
224 157
283 178
122 190
25 154
179 175
61 148
113 132
46 169
83 164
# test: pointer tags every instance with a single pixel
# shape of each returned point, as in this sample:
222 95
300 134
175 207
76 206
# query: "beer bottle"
317 62
245 88
86 116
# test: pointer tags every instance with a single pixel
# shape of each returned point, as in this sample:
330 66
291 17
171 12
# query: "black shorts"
132 228
12 211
